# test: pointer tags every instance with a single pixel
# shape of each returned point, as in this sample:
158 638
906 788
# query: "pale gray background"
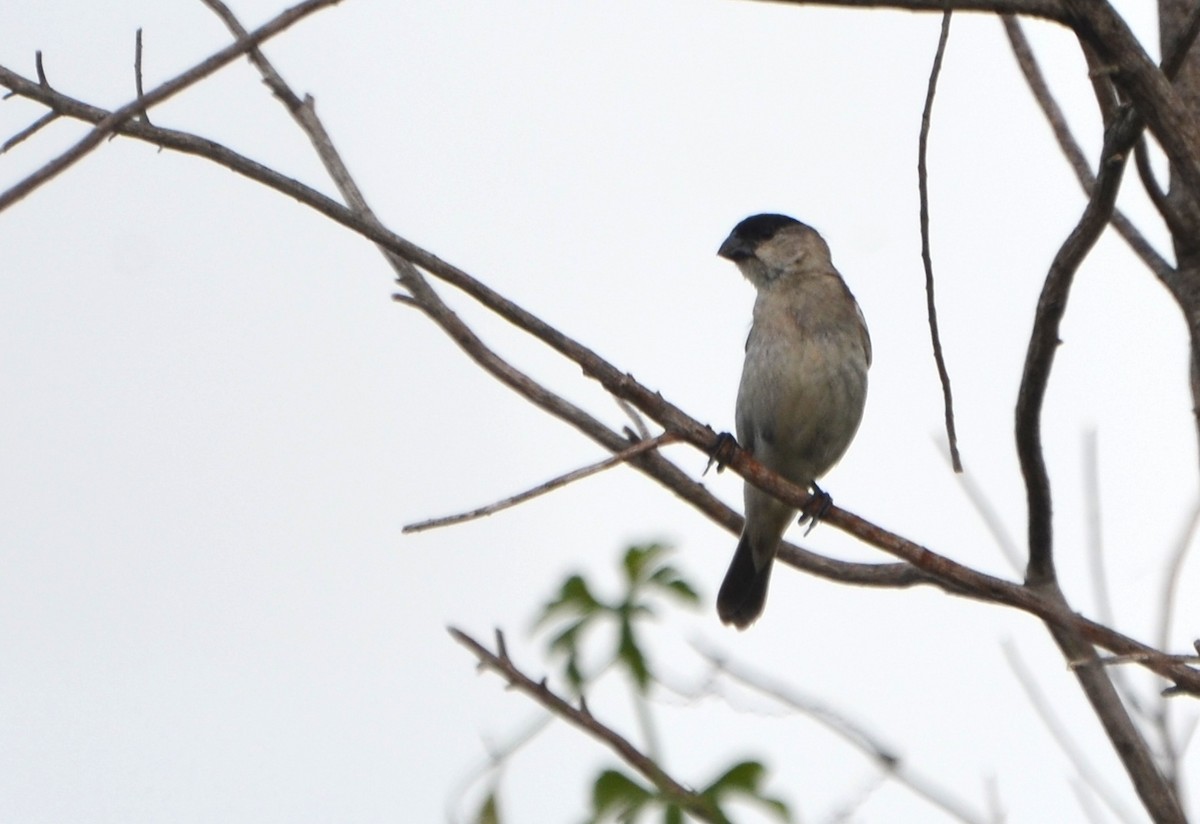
215 421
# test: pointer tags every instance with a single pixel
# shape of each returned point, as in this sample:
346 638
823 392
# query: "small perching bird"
803 388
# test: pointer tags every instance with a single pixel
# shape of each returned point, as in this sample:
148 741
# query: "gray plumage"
803 387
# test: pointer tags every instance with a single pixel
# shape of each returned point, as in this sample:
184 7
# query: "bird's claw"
721 453
817 506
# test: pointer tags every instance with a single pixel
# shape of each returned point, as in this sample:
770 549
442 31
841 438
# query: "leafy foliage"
616 796
576 610
578 614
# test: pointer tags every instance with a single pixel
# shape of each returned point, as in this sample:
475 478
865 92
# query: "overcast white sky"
216 422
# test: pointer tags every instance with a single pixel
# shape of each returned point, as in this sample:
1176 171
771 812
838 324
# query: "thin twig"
29 131
115 119
1129 658
137 75
1070 147
635 417
271 76
926 256
549 486
587 722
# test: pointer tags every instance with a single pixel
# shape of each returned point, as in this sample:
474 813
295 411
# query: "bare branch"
1132 658
1071 149
1040 357
542 489
1145 85
29 131
1120 138
1155 792
503 666
926 256
635 418
1128 742
114 120
271 76
137 75
1120 135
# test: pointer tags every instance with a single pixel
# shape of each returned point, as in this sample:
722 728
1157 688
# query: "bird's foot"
817 506
721 453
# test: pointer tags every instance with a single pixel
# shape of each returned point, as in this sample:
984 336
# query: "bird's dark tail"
744 590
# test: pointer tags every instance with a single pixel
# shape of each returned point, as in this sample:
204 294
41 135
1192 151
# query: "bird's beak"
735 249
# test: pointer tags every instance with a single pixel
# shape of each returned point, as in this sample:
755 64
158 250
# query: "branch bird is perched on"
804 384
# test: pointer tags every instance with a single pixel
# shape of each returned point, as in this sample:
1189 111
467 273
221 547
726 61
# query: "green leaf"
574 674
617 793
745 779
639 558
668 579
574 597
745 776
630 654
568 639
682 590
775 805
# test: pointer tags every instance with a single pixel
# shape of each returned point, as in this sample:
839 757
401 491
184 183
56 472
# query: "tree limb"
1070 147
1147 87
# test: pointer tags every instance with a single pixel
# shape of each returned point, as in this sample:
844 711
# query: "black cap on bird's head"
752 231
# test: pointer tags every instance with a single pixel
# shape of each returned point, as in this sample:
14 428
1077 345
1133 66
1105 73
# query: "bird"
802 391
